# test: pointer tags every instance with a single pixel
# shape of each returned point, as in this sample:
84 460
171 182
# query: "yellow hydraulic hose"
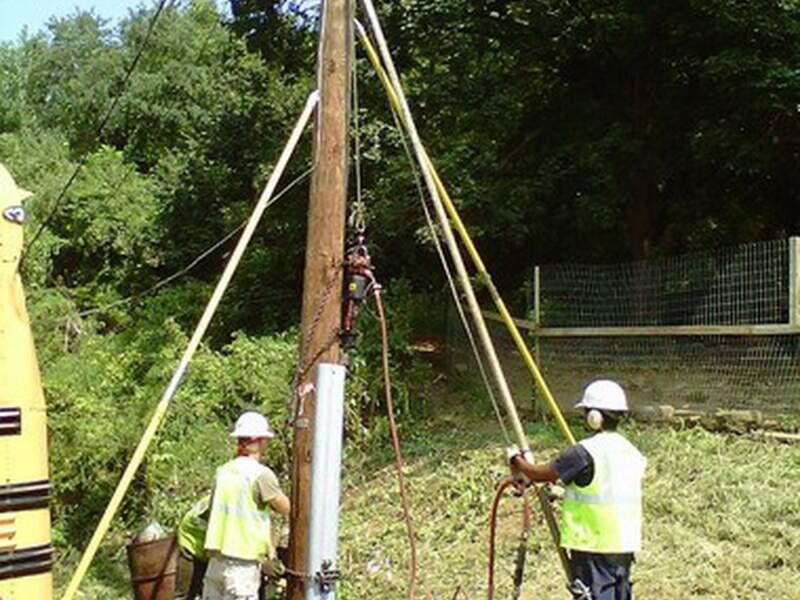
458 224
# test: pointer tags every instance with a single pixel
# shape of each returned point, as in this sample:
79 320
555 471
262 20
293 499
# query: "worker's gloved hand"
511 453
514 455
273 568
517 458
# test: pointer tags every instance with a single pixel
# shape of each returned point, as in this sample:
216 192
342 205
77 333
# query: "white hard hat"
604 394
252 425
9 192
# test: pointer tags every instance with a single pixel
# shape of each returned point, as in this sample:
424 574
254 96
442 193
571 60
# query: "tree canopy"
590 131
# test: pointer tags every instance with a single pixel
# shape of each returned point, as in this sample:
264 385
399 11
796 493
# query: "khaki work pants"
231 579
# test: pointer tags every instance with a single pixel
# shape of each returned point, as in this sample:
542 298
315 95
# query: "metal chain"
304 366
297 574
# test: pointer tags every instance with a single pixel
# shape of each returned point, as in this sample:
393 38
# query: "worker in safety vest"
239 536
601 517
192 558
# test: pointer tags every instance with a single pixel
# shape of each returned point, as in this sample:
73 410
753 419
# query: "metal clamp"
327 576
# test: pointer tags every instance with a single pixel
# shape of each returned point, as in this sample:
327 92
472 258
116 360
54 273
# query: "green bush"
102 393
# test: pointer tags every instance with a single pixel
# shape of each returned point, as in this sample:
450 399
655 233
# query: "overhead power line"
196 260
100 130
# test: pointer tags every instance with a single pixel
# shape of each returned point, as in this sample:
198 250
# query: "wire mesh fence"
746 285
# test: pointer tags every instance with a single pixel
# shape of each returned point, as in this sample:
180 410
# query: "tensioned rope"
397 97
101 128
197 259
449 277
357 219
455 253
194 343
449 213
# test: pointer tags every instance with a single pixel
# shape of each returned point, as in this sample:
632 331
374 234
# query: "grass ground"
722 515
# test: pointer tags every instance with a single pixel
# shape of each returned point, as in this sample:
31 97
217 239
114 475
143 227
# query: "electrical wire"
100 130
198 259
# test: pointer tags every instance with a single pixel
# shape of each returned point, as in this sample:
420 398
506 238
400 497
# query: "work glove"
513 453
273 568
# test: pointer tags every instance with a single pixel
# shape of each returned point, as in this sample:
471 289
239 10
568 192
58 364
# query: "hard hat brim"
267 436
590 407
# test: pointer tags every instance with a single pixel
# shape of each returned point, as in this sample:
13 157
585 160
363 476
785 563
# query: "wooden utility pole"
322 282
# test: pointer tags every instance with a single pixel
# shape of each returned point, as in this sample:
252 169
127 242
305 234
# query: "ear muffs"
594 419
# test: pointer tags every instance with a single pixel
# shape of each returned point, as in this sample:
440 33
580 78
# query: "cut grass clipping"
722 518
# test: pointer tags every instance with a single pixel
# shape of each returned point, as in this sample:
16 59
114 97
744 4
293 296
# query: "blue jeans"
604 576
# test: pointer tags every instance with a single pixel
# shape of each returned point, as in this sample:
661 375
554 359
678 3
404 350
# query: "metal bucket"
153 566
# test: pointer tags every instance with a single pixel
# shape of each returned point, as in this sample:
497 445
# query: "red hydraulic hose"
506 483
412 542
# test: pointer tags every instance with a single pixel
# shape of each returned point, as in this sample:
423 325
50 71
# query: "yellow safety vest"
606 515
237 527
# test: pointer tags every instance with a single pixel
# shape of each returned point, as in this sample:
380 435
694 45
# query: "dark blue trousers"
605 576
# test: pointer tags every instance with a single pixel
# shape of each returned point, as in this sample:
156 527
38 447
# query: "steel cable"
100 130
450 280
197 259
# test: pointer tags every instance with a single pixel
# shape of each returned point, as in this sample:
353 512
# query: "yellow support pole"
480 266
202 326
508 320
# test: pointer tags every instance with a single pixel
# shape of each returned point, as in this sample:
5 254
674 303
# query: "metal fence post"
794 281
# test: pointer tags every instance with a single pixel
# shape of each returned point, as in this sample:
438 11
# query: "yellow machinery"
26 555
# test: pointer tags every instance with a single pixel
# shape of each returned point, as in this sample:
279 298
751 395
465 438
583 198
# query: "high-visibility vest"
606 515
192 528
237 527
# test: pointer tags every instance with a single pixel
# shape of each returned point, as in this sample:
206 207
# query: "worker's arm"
280 504
270 493
535 472
572 465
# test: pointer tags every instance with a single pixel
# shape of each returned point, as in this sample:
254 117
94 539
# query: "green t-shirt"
193 526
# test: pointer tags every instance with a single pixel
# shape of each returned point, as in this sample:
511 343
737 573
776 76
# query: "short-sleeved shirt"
267 487
574 465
